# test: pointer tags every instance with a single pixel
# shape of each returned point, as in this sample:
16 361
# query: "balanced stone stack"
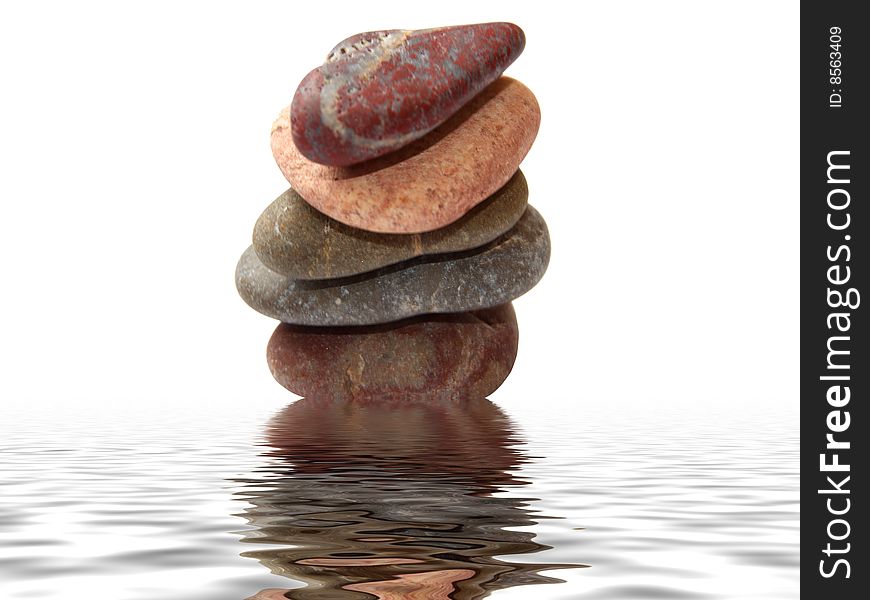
393 259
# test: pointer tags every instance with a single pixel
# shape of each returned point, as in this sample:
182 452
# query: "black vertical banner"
835 371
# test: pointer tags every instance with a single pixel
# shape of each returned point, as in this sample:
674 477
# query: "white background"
134 149
134 161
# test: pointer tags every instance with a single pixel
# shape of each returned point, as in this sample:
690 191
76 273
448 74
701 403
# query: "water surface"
331 501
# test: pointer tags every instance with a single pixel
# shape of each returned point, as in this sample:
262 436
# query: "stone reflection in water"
392 502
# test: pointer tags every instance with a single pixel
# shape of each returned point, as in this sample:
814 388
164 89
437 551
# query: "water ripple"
382 501
332 501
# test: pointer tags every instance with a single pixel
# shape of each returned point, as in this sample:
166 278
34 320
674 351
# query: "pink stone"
379 91
429 183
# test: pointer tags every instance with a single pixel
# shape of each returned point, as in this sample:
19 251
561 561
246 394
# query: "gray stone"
494 274
294 239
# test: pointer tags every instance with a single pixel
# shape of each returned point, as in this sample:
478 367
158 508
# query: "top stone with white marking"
381 90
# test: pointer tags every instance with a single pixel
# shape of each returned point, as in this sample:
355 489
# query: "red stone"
432 358
381 90
431 182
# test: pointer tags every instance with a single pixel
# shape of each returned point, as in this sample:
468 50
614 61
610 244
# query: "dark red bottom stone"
446 357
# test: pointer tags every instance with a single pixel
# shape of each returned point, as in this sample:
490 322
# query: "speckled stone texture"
379 91
494 274
431 182
293 239
430 358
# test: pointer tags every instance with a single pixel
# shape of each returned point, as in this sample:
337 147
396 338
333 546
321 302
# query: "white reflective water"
337 502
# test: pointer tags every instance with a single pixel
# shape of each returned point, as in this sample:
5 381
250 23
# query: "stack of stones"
393 259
